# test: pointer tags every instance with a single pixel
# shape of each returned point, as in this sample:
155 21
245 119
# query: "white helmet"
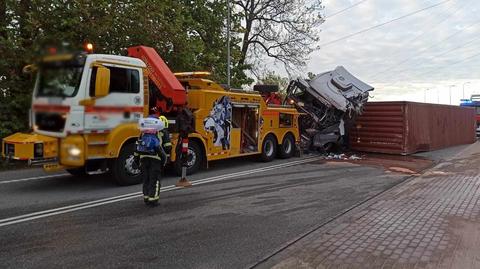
150 124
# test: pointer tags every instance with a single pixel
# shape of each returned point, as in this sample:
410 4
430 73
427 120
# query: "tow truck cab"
84 109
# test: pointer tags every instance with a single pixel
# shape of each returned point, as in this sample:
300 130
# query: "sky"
432 56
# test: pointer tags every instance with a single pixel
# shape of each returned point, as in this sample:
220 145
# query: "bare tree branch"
284 30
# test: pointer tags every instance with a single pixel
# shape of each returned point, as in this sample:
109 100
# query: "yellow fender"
120 135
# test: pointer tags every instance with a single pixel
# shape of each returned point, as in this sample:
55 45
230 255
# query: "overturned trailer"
329 101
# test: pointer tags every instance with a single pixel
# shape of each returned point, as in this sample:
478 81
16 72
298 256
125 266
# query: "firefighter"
167 145
151 155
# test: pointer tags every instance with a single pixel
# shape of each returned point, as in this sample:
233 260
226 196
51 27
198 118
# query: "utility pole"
228 43
425 95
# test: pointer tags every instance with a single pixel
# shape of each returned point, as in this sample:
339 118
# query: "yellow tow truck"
85 109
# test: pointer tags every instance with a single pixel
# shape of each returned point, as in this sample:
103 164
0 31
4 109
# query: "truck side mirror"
102 81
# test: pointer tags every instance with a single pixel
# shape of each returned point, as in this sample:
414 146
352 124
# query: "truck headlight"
74 151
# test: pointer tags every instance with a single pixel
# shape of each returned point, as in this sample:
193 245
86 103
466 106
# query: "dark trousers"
151 173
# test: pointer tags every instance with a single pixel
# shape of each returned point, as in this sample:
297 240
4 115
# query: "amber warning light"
52 50
89 47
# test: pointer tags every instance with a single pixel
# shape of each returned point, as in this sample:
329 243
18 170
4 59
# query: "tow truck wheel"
287 148
77 171
123 168
195 159
269 148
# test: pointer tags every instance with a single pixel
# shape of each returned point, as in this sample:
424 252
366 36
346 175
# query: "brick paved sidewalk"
431 221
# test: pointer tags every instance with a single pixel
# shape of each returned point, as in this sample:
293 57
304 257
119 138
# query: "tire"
287 148
78 172
195 159
269 148
329 147
123 170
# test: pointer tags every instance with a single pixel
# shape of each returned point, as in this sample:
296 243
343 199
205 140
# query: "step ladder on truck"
85 109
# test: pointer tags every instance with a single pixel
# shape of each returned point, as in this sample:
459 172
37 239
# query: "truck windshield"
59 81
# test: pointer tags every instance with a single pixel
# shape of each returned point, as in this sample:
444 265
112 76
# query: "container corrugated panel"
409 127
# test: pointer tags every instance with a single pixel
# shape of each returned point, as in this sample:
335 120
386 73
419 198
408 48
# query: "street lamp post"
228 43
450 92
463 94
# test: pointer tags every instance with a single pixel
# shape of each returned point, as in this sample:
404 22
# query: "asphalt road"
239 212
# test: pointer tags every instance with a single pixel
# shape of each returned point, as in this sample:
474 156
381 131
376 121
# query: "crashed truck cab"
329 102
80 101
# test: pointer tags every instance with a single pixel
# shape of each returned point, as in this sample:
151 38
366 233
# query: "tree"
271 78
189 34
285 30
3 19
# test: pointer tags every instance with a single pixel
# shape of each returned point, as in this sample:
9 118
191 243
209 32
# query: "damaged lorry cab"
328 102
85 109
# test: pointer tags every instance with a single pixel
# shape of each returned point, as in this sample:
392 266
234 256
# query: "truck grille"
47 121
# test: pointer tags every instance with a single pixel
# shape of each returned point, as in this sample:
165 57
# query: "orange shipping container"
409 127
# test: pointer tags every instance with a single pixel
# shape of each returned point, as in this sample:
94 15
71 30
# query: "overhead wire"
440 22
383 24
345 9
396 65
454 63
466 44
430 28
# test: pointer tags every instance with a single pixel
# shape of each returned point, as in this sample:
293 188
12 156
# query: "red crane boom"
171 96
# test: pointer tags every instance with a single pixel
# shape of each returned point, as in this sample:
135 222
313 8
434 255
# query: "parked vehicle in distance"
474 102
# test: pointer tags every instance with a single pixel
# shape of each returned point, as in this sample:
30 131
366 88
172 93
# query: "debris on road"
401 170
330 101
354 158
332 156
411 165
342 156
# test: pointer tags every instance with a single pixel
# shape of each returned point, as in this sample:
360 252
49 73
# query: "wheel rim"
130 167
287 146
191 158
268 148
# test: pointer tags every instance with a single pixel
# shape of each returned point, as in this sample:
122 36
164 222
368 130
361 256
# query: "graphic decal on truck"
220 122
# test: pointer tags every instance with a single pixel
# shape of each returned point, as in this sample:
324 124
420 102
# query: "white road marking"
119 198
33 178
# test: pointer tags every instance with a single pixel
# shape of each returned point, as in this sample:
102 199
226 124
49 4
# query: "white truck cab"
84 110
63 89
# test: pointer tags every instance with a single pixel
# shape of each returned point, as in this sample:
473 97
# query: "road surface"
238 212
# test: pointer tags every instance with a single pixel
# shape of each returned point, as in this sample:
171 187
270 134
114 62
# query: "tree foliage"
285 30
189 35
272 78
